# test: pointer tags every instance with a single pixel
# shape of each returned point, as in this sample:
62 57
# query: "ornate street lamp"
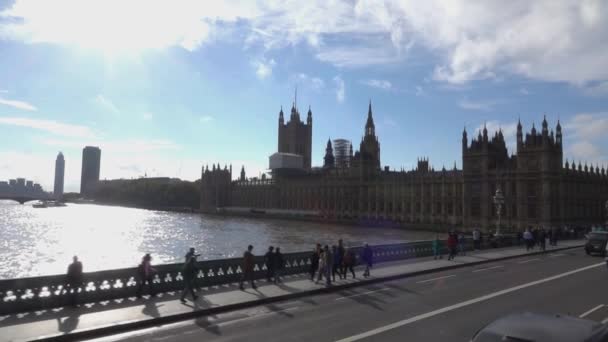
499 200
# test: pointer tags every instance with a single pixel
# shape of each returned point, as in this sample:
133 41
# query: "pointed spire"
370 128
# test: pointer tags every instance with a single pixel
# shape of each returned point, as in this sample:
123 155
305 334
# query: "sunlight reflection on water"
43 241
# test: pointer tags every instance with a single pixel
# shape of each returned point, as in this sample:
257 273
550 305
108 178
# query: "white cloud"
17 104
135 25
524 91
587 125
586 137
106 104
420 91
379 84
471 40
263 68
584 150
340 91
311 82
147 116
50 126
205 118
485 106
127 146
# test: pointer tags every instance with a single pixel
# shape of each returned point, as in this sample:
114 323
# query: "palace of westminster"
539 189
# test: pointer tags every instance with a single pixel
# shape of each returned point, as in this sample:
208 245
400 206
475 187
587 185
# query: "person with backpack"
146 275
189 275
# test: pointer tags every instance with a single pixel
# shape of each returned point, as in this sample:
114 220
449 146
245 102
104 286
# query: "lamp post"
499 200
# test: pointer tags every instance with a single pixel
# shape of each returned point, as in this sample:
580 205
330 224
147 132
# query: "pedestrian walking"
146 275
329 261
461 244
322 265
74 279
314 262
279 265
437 248
368 259
341 253
270 263
349 262
452 245
529 239
476 239
248 265
189 277
542 239
336 262
191 254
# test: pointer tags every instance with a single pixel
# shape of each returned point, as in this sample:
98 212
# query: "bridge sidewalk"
93 320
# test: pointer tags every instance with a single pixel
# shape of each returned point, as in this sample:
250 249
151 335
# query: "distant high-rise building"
59 176
91 160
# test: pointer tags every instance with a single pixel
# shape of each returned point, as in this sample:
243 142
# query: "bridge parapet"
45 292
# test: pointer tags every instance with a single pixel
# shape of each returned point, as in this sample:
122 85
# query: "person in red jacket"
452 245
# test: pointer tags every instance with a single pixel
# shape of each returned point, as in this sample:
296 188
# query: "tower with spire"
295 136
368 157
329 160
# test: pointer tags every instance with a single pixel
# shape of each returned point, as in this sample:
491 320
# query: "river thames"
42 241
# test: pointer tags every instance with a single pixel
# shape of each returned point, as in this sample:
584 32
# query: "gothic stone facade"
539 189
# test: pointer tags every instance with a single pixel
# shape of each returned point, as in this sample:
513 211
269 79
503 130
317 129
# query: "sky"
164 87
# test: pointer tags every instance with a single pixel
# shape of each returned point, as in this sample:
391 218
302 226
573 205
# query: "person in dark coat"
341 254
337 263
248 267
189 274
542 239
270 263
452 245
74 279
314 262
279 265
368 259
146 274
349 262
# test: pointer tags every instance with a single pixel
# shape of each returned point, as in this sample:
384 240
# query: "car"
539 327
596 243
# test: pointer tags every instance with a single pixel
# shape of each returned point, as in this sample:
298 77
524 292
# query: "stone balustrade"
45 292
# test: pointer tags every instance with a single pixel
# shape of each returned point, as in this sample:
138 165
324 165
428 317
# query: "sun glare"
112 27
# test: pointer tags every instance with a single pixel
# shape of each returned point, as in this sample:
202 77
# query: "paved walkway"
68 320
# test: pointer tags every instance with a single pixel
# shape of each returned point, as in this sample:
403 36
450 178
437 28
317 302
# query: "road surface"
443 306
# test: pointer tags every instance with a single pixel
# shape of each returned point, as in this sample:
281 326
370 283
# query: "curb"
147 323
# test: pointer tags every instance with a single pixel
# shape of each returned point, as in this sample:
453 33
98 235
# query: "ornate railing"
35 293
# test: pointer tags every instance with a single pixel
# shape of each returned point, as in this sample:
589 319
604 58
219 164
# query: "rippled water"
39 241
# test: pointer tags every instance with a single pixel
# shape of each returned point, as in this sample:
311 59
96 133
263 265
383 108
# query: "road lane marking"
553 255
463 304
487 268
605 320
433 279
361 294
223 324
529 260
587 313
